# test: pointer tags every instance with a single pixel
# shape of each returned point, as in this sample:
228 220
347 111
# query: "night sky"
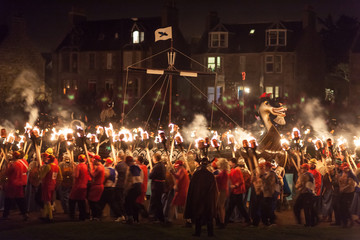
47 20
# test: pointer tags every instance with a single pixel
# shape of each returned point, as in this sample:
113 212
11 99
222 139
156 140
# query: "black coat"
202 196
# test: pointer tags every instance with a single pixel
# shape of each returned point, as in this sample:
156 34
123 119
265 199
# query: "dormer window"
218 40
276 37
137 34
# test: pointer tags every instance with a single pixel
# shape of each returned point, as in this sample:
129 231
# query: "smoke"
9 126
199 125
24 90
314 114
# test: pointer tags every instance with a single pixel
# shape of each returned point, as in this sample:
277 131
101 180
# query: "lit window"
137 36
274 90
211 94
276 37
218 40
215 64
116 35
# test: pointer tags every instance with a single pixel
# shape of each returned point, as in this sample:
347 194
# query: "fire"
178 138
293 135
284 143
356 141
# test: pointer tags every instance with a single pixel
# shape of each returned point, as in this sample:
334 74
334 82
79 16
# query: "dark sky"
47 20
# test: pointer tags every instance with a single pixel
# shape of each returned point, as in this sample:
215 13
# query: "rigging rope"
163 103
152 109
143 96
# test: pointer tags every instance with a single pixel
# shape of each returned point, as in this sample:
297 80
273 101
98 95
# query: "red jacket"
237 179
14 185
317 178
141 198
97 184
25 170
81 179
182 185
222 180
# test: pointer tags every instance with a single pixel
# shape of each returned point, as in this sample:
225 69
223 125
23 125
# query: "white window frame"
273 61
276 37
216 65
215 40
274 90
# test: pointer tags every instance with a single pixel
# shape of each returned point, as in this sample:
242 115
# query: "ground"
63 229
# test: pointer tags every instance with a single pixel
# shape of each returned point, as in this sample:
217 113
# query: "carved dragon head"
267 108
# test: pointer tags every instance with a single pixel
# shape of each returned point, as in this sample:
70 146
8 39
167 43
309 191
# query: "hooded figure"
201 199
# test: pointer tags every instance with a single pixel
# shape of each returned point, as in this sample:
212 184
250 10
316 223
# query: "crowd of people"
196 186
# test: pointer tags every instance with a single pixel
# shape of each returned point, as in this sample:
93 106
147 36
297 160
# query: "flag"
163 34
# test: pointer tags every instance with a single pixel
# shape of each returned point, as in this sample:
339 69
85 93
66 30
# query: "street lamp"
243 76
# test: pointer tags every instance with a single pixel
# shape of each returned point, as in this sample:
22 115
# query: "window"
116 36
273 64
92 86
218 40
65 62
131 57
211 94
269 64
215 63
274 90
109 61
74 62
276 37
240 91
109 84
69 86
278 64
91 61
137 36
329 95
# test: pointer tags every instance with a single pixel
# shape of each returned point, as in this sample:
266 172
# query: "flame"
171 125
341 143
293 132
22 137
10 138
144 134
178 138
214 140
284 143
356 141
197 142
90 136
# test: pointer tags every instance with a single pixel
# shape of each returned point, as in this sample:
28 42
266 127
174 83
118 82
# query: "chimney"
170 15
212 20
76 16
309 17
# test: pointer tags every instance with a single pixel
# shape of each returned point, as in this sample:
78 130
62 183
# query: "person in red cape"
79 189
181 184
14 190
140 200
50 175
97 173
